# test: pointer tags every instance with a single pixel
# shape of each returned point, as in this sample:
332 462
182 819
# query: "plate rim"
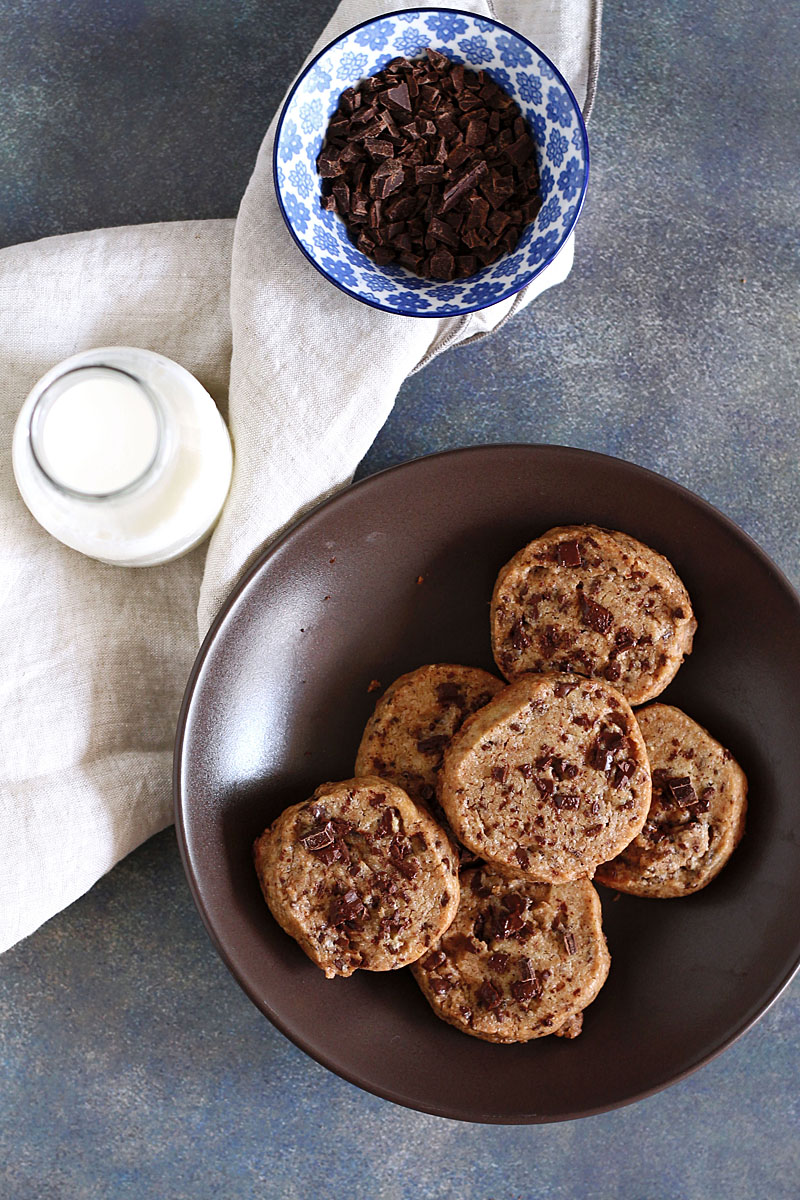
261 557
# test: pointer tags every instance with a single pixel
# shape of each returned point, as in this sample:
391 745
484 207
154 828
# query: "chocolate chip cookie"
549 778
697 813
595 602
359 876
521 960
413 721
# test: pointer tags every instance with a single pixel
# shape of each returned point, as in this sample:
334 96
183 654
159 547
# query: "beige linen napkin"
95 658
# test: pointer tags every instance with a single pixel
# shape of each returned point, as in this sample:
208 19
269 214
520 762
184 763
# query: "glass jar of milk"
121 454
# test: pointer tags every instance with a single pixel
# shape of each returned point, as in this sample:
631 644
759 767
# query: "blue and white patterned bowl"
547 104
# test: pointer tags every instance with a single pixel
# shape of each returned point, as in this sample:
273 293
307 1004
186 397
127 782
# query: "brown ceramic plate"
398 571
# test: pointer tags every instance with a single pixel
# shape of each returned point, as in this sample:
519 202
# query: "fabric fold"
96 657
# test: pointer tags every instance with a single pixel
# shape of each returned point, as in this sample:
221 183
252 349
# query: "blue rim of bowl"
458 312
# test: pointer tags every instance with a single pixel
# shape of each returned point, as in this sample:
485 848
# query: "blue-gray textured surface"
132 1065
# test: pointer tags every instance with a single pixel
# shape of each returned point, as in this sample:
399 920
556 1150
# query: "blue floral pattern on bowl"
548 105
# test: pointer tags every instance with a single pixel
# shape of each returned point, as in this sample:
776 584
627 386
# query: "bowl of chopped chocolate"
431 162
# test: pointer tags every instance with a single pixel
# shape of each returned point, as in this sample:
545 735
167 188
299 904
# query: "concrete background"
132 1065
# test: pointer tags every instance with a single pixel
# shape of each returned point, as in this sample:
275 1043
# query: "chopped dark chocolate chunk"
329 165
378 148
527 969
397 97
458 156
622 772
520 150
400 853
320 839
509 920
386 178
563 770
442 265
436 59
498 961
450 693
440 229
426 132
681 791
566 801
476 133
518 636
478 212
594 615
348 907
479 886
463 186
602 753
428 173
435 959
546 786
489 996
568 554
433 744
389 822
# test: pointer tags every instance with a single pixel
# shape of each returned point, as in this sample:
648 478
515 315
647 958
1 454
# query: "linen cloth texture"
95 657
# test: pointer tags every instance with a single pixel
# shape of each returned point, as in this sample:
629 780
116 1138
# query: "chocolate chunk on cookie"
521 960
549 778
405 738
359 876
696 816
594 602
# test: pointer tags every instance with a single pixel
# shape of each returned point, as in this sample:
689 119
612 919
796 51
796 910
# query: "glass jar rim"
48 397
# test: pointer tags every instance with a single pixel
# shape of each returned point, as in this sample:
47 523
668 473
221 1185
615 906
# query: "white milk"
121 454
100 432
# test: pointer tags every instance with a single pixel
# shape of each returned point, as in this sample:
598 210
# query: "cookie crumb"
375 685
420 579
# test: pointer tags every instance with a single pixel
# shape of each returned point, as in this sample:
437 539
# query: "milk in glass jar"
122 454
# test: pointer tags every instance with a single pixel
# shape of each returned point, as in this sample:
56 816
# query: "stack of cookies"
481 810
